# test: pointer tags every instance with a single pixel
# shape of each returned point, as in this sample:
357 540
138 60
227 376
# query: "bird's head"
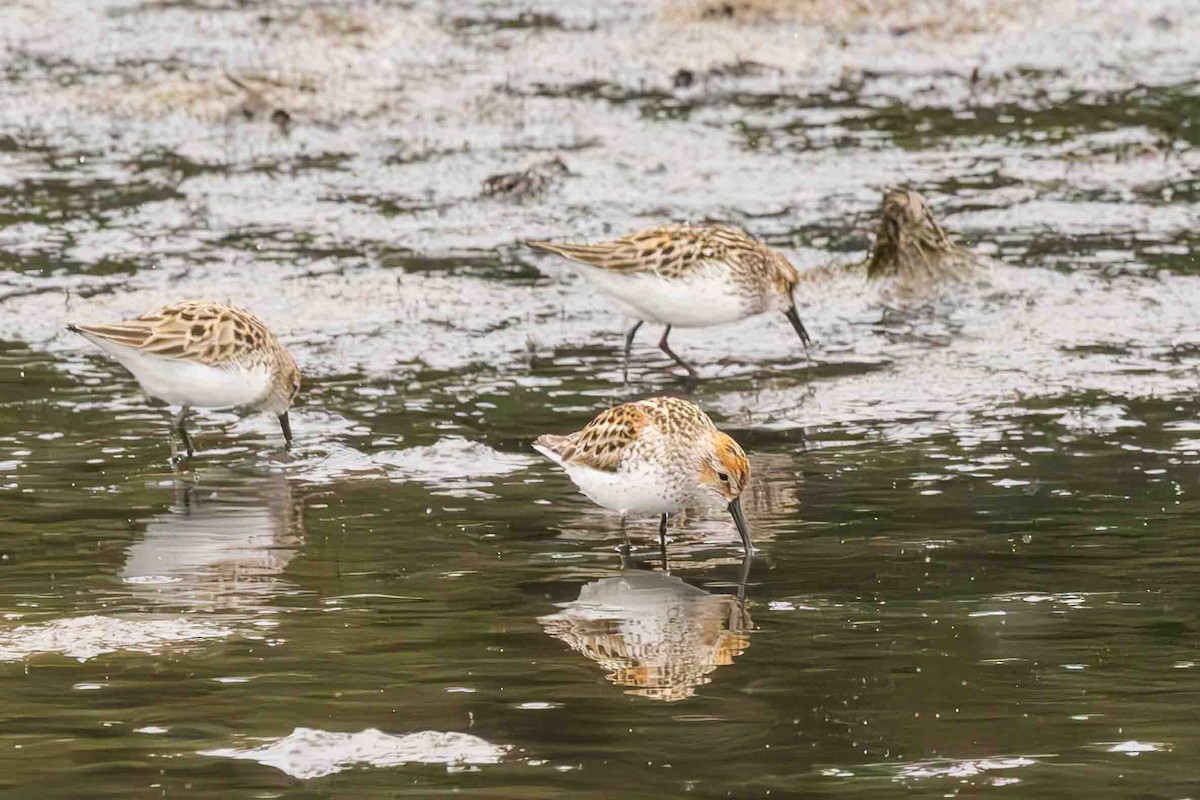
725 470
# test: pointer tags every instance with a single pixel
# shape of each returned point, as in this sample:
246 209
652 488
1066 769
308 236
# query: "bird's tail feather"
587 253
552 445
123 334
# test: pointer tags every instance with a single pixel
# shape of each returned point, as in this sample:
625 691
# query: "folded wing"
669 250
602 444
200 331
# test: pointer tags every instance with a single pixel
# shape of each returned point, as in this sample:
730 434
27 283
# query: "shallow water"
978 568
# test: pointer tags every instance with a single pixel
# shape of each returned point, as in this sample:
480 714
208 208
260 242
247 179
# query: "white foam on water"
1136 748
84 638
961 769
308 753
453 464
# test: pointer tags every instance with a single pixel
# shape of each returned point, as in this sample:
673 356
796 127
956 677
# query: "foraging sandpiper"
653 456
206 355
687 276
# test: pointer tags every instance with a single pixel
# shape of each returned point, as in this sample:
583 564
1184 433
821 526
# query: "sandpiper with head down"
653 456
205 355
687 276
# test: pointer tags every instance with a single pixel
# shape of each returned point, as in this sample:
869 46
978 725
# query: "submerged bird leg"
626 548
177 423
287 430
629 348
662 541
693 376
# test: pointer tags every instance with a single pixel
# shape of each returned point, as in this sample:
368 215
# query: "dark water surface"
979 570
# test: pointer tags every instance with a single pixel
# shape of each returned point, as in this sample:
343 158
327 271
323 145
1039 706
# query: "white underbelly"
640 490
180 382
704 298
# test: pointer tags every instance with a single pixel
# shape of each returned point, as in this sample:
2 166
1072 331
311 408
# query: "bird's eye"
724 478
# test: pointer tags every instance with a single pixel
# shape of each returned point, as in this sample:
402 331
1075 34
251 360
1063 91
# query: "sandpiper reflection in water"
220 547
654 633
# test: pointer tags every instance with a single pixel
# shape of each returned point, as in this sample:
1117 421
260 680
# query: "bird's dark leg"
662 542
629 348
627 548
182 431
287 430
693 376
175 457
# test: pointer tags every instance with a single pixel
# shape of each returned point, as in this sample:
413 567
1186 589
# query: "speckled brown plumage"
912 249
200 354
655 456
197 330
675 250
615 433
687 276
213 334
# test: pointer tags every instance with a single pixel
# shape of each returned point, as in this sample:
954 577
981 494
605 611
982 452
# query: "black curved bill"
739 519
794 318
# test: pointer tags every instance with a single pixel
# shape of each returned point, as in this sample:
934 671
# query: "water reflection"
219 547
653 632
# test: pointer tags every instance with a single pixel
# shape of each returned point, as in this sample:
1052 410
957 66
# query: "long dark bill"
739 519
794 318
286 427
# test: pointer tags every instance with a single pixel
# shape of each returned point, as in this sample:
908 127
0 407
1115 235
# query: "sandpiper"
912 250
203 354
653 456
687 276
